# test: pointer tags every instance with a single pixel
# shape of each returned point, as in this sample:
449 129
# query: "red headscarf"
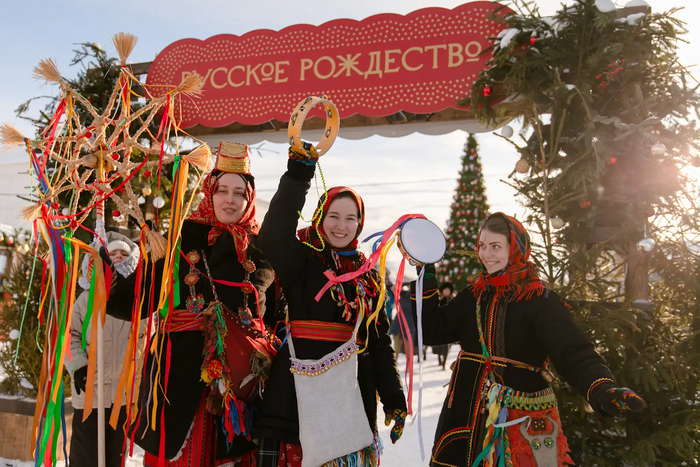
309 234
240 230
520 274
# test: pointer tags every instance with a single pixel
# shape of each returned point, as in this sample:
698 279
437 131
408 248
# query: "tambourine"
421 242
296 121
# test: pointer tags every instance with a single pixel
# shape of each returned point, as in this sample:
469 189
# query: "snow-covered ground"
405 453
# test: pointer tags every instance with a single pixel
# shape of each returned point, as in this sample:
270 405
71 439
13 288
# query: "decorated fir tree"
607 110
19 305
469 210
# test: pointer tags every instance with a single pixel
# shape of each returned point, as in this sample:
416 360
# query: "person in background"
124 254
446 291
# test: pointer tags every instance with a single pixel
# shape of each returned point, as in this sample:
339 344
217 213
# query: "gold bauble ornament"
522 166
146 191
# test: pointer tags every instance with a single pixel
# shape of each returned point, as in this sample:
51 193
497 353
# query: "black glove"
616 400
80 379
105 257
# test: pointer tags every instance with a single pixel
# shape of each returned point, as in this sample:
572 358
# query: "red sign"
421 63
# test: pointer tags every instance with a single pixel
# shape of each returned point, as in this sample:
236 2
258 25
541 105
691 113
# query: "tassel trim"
237 419
367 457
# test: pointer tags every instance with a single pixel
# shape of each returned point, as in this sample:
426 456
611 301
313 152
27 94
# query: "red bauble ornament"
533 39
73 224
88 134
147 173
487 91
55 205
585 204
116 213
115 156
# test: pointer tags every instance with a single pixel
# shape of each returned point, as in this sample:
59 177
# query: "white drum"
422 242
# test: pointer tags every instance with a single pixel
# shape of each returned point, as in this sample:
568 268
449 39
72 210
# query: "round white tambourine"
422 242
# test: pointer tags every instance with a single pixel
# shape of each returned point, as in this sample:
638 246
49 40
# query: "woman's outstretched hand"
615 401
398 416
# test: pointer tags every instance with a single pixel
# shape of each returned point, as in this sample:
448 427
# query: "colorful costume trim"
316 368
320 331
595 384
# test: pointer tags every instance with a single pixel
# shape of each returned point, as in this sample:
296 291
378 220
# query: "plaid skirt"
273 453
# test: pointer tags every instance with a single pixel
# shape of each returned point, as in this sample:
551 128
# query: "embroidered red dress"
194 424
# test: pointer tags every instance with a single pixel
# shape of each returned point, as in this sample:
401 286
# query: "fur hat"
118 245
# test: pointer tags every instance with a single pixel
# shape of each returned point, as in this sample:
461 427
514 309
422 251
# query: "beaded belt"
498 361
184 320
540 400
321 331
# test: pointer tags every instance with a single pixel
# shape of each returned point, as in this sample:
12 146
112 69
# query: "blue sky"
419 171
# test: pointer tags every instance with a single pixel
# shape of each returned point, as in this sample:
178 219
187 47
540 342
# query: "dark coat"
185 387
300 272
530 331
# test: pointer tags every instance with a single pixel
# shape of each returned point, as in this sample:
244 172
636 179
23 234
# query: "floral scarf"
239 231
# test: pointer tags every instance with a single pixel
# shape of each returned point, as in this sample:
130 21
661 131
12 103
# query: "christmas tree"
606 109
469 210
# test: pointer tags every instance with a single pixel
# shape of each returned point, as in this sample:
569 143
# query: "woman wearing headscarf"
320 327
510 325
211 358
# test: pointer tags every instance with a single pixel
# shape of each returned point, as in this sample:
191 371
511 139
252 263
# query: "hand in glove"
80 379
105 257
399 418
616 400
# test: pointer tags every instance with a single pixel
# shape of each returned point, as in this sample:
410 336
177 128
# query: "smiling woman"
229 198
213 336
341 222
301 416
494 244
510 326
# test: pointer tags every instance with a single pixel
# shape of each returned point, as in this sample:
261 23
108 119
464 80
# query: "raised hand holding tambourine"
296 122
421 242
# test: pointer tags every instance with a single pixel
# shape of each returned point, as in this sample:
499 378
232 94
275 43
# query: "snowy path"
406 453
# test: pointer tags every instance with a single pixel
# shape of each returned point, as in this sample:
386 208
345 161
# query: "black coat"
532 330
300 272
185 387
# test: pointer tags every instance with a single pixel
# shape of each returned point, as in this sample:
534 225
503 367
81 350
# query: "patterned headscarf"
519 278
309 235
343 260
240 230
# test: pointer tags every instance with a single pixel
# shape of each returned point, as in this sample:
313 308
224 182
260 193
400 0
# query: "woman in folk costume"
124 254
509 325
212 356
326 327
